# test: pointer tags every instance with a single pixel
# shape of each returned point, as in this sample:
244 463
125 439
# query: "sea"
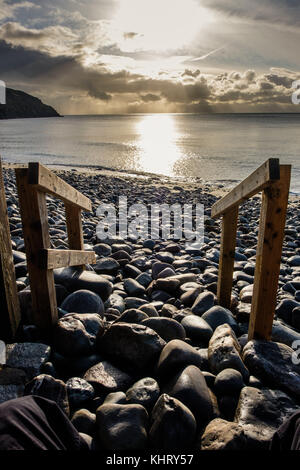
219 148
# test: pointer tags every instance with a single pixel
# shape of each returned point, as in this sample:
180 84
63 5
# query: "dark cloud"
280 80
66 76
191 73
150 97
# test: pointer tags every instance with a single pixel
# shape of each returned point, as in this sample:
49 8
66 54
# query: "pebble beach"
142 357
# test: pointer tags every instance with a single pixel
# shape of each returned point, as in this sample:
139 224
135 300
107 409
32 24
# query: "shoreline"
218 188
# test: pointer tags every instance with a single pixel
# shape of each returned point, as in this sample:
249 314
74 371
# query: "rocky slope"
21 105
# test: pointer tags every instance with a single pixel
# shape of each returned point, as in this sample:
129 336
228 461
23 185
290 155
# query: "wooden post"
36 238
74 228
268 255
10 309
227 252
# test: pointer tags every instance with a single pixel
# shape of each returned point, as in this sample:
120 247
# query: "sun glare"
158 24
158 150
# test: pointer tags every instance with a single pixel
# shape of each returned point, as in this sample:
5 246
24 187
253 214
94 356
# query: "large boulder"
75 333
166 328
274 363
84 421
261 412
106 378
220 434
135 346
224 352
197 329
79 391
189 386
173 425
176 355
144 392
217 316
203 302
74 278
83 301
122 427
54 389
283 334
29 357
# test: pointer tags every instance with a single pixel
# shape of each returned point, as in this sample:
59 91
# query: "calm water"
214 148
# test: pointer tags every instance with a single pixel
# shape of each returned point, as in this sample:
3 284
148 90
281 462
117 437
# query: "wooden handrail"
33 183
46 181
53 259
10 315
258 180
274 180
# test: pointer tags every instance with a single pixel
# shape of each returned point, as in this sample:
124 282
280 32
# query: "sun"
158 25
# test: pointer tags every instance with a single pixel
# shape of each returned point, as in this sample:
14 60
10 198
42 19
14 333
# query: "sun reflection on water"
157 144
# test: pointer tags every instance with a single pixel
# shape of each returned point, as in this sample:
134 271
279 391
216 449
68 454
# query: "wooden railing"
273 180
10 315
33 183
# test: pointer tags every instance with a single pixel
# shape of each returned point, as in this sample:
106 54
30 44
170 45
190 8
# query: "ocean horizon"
219 148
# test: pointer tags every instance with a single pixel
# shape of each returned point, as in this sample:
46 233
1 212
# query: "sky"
148 56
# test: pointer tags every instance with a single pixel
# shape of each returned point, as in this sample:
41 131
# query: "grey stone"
107 266
173 425
166 328
115 301
224 352
134 288
46 386
189 387
189 296
149 309
144 392
132 315
84 421
217 316
261 412
220 434
122 427
197 329
274 364
285 308
102 249
294 260
83 301
107 378
136 346
75 333
167 284
116 398
203 302
134 302
27 356
10 391
176 355
74 279
12 376
79 391
283 334
228 382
